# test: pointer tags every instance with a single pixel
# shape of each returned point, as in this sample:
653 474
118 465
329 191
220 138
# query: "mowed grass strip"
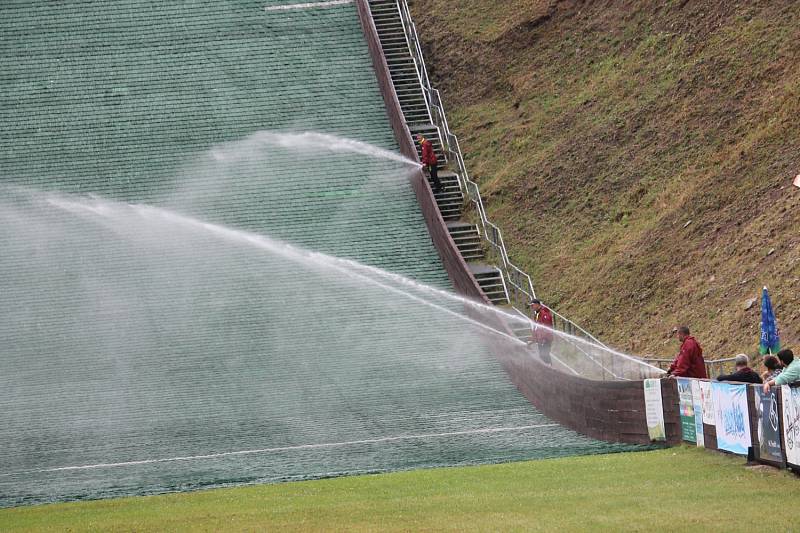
676 489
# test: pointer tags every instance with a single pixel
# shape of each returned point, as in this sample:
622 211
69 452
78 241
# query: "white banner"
791 423
654 409
732 417
697 400
707 400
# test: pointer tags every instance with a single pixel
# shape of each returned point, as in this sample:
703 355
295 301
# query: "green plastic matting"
144 352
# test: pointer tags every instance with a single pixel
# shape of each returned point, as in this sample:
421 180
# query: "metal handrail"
711 364
520 285
589 357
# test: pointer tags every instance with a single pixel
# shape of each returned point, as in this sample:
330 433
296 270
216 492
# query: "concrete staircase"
386 15
467 239
450 199
490 278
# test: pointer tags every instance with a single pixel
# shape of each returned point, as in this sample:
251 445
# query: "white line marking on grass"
283 449
308 5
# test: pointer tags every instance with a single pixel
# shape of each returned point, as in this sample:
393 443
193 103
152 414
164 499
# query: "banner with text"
708 403
769 427
791 423
732 417
688 429
654 409
697 403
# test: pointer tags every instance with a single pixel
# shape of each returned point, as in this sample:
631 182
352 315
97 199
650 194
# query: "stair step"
463 233
451 197
466 238
489 275
465 246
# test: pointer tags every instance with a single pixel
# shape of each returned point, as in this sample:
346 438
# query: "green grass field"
677 489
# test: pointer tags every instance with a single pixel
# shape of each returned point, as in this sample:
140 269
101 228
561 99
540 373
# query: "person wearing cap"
542 331
743 373
689 363
430 161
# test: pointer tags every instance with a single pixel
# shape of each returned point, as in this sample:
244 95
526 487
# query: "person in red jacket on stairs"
542 331
430 161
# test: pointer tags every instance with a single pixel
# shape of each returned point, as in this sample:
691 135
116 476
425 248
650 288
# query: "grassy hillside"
638 155
687 488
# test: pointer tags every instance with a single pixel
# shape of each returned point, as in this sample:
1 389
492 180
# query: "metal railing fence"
714 367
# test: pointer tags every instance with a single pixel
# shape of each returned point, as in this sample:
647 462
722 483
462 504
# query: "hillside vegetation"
638 155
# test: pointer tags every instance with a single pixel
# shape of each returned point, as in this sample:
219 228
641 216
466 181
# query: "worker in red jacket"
542 331
430 161
690 362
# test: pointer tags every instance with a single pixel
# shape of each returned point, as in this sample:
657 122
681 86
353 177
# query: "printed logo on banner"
708 403
697 403
791 423
654 409
733 422
769 434
688 428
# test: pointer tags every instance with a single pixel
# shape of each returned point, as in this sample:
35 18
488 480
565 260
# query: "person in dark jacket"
689 363
743 373
430 161
542 331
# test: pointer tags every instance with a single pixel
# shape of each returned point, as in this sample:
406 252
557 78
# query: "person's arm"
426 153
681 365
789 375
726 377
547 318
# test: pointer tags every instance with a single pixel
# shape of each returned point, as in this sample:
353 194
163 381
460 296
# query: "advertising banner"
791 423
654 409
697 403
769 427
688 429
708 403
732 417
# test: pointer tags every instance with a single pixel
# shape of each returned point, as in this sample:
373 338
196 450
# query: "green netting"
193 359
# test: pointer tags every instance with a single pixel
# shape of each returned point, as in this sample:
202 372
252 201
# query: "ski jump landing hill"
183 345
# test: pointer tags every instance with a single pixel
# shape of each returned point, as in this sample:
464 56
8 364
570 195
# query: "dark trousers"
544 351
434 171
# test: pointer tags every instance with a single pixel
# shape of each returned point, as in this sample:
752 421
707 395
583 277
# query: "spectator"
689 363
791 370
773 366
430 161
743 372
542 333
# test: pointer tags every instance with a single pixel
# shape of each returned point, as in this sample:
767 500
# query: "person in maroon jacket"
690 362
542 336
430 161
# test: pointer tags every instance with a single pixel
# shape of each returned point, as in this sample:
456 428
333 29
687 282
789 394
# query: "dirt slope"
638 155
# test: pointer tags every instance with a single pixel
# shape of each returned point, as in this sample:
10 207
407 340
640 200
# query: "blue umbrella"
770 342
